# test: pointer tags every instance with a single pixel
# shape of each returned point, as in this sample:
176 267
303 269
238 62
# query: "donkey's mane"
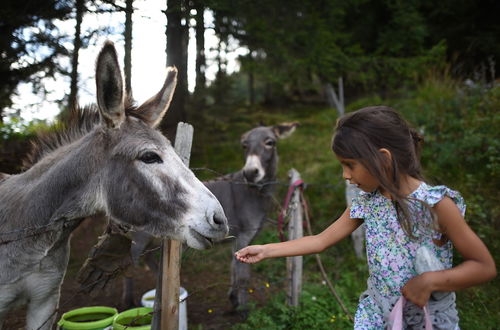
76 124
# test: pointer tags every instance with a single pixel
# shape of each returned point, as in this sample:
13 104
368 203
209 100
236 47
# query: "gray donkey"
111 161
245 196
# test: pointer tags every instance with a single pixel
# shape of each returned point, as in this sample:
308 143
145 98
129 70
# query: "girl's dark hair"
361 134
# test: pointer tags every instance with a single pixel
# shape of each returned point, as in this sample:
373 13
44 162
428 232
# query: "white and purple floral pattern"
390 252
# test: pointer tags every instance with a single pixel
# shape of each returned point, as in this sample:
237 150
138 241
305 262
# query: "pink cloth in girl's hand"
396 316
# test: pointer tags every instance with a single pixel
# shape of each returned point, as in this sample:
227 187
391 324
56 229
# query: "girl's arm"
338 230
478 266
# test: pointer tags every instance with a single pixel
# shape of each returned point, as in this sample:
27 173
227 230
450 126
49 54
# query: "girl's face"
357 174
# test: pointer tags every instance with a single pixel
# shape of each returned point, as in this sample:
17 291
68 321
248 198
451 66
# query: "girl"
379 153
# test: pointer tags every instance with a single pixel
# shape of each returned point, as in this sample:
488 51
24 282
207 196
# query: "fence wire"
58 224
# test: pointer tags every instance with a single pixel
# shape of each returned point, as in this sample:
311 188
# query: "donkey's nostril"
219 220
219 224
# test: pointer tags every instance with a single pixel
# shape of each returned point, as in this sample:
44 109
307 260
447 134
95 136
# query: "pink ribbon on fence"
281 216
396 316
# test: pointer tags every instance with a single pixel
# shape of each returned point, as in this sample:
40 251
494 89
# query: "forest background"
436 62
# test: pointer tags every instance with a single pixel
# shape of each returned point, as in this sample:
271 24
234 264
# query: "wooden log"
295 230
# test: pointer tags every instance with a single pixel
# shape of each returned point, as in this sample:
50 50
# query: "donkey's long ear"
284 130
109 86
153 110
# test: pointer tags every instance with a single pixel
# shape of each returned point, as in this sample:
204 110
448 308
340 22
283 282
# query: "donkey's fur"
110 162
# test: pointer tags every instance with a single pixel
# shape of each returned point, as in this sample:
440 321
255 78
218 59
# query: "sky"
148 60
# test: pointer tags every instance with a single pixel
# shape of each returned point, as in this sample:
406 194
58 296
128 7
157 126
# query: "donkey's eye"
270 143
150 158
244 145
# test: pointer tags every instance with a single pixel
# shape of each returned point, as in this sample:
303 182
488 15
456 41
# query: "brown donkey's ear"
284 130
109 87
153 110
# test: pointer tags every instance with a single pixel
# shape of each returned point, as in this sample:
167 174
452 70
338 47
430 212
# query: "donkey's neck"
62 186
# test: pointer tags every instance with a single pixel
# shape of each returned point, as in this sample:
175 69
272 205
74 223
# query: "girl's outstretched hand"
250 254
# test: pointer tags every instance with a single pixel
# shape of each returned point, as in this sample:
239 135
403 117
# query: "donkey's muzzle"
251 174
215 228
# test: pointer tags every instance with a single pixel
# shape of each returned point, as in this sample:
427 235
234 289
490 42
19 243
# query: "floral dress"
390 252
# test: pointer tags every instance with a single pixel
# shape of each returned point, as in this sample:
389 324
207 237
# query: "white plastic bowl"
148 300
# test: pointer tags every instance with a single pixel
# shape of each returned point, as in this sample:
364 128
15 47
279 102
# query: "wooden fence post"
295 230
166 316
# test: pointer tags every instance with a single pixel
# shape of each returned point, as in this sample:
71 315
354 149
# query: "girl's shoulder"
363 203
431 195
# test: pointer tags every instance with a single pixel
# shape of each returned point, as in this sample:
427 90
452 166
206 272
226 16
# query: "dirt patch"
204 274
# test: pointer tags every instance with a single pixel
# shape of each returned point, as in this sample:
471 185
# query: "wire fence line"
104 280
15 235
24 233
60 223
224 177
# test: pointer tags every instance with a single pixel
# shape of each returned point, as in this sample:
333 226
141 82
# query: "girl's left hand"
418 290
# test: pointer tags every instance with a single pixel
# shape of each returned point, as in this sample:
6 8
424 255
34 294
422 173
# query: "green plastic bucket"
134 319
88 318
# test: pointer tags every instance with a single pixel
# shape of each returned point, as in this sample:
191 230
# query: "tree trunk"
251 88
221 75
251 78
200 48
177 40
77 44
129 10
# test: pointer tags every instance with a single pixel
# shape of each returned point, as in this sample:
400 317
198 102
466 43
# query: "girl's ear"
387 163
386 155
